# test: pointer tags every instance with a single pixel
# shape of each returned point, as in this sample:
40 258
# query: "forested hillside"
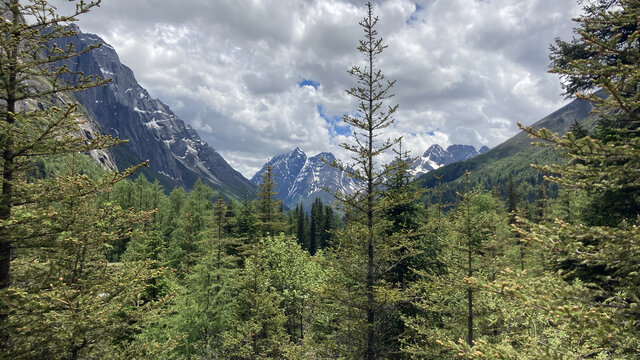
512 159
97 265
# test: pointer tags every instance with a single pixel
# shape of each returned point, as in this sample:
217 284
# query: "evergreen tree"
450 305
245 223
603 57
365 251
40 121
206 305
270 214
182 245
541 204
62 283
329 226
590 305
513 199
316 227
302 227
230 214
259 331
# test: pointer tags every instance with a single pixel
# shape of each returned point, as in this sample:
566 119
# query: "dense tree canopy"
96 265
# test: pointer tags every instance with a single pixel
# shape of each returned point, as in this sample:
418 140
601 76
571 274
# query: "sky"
257 78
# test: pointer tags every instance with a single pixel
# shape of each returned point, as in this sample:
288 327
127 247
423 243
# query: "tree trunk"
7 190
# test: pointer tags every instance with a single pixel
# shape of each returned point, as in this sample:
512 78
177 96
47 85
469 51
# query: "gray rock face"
88 127
124 109
436 156
461 152
300 178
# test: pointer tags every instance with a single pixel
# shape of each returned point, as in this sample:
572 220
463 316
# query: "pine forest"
539 263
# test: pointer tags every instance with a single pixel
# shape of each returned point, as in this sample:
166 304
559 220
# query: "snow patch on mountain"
300 178
436 156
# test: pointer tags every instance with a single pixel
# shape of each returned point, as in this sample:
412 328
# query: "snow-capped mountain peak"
436 156
301 178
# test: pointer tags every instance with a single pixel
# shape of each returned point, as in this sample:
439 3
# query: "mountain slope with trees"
513 157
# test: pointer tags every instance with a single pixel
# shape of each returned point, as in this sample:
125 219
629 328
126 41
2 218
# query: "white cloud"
466 70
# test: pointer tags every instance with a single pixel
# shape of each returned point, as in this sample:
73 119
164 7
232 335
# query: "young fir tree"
259 330
316 225
245 223
182 251
365 251
302 226
450 305
330 225
205 305
67 301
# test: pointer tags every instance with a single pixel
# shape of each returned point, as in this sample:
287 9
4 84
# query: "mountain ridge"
436 156
514 156
123 108
300 178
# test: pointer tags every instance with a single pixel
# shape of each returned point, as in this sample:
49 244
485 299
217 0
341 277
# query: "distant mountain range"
300 178
177 154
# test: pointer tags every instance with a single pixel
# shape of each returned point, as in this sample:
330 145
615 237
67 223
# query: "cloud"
257 78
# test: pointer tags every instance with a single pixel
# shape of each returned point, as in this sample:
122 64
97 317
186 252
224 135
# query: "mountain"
514 156
300 178
88 127
436 156
124 109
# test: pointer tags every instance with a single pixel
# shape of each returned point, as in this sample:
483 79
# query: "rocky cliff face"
124 109
436 156
88 127
301 179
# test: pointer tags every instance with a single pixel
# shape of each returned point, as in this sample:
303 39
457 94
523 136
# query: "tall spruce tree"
302 228
316 226
365 251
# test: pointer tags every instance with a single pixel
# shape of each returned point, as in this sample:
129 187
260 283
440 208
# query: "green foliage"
60 298
367 292
245 223
314 230
274 292
474 242
586 293
62 283
104 267
270 216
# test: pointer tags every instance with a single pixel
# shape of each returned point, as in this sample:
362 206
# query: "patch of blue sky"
334 123
307 82
414 17
430 133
